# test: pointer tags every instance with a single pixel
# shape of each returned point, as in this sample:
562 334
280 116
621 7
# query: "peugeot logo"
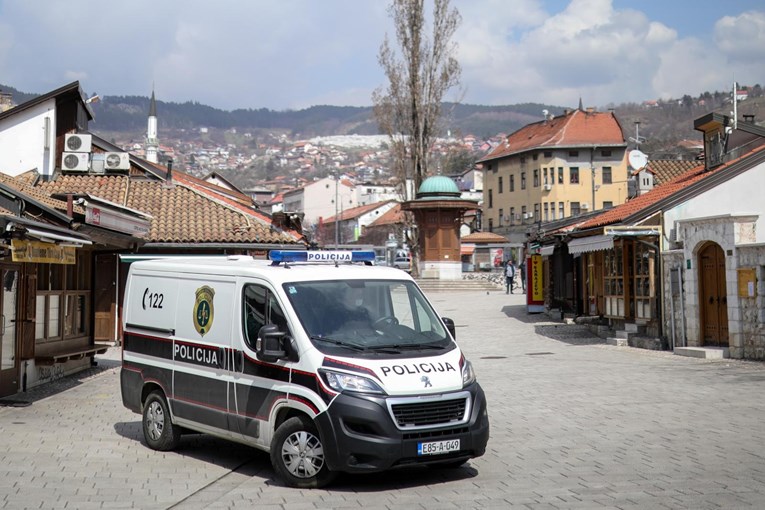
426 380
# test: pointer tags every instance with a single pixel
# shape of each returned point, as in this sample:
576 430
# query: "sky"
292 54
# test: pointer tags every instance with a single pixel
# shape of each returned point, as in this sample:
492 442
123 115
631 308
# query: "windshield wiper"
341 343
411 347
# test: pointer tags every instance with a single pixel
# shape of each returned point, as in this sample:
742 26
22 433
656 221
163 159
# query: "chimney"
169 174
6 101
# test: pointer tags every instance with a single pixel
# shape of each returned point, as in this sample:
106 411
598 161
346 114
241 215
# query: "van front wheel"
297 455
158 429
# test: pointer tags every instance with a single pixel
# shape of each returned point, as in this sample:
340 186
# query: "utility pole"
337 219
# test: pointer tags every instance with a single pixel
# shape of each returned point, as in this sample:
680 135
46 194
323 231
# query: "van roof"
242 265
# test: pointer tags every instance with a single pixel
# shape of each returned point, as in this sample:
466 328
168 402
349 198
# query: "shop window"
613 282
62 303
644 283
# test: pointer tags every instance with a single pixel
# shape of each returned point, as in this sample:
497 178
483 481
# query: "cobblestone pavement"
575 424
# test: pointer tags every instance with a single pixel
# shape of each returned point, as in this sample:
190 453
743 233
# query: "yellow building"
557 168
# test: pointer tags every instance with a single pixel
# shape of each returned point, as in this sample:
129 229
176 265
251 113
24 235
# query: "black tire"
158 429
297 455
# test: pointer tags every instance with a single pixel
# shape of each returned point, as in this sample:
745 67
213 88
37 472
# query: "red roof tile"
182 213
575 129
484 237
627 209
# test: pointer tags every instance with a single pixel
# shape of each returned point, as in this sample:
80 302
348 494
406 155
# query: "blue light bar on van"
278 256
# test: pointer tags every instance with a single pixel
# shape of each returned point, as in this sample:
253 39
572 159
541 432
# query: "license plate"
438 447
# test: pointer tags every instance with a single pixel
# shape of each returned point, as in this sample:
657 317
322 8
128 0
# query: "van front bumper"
360 436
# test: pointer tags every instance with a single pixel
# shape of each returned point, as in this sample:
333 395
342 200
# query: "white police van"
328 365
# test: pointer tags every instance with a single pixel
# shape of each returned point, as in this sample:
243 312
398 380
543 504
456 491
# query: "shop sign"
535 299
42 253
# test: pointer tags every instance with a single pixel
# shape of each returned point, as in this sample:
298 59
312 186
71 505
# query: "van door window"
260 307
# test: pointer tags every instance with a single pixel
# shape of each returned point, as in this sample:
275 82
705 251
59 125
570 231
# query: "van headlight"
468 375
340 381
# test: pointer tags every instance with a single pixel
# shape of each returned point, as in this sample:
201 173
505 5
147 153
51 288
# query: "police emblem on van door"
204 310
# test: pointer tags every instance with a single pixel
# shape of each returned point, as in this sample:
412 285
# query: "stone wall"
673 317
752 309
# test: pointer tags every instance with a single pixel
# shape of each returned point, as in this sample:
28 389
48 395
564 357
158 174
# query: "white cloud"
741 38
296 53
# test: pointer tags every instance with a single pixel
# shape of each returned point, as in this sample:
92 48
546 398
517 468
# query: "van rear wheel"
158 429
297 455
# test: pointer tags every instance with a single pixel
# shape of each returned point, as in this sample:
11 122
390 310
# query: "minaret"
152 144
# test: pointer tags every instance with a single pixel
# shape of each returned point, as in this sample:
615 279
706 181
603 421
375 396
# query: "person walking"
509 277
522 271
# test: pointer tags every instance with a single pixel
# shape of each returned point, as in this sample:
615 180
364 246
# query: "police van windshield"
360 317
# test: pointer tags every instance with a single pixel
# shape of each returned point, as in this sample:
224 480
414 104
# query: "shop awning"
50 237
546 251
590 244
467 249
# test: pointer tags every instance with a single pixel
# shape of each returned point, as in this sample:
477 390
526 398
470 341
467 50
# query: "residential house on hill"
320 199
556 168
351 223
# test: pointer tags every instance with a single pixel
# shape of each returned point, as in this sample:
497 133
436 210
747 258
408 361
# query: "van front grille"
424 414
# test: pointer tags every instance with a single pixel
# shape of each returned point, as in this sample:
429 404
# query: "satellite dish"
637 159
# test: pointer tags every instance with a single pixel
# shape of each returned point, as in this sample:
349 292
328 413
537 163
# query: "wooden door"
104 298
713 296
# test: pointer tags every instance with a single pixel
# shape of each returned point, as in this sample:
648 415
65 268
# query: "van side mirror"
269 345
449 323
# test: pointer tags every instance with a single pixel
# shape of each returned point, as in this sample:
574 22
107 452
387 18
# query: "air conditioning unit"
548 187
77 142
584 205
75 161
117 161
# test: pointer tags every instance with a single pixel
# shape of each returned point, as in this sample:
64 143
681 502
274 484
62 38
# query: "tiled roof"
483 237
575 129
25 187
391 217
355 212
637 204
180 213
665 170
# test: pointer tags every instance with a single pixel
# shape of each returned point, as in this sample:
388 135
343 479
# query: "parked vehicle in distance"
403 263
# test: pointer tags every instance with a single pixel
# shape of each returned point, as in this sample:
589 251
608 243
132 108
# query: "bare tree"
419 75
